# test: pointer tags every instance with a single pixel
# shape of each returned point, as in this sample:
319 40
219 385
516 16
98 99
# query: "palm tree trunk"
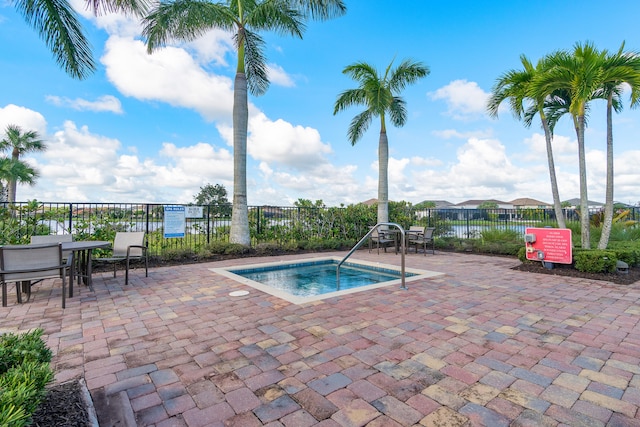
557 206
239 232
383 172
584 199
11 195
608 204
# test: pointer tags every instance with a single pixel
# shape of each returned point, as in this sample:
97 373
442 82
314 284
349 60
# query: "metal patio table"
82 255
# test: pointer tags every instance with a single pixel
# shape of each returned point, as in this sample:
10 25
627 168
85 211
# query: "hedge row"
24 374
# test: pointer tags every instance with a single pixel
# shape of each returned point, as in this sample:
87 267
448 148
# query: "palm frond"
361 72
350 98
255 63
21 142
135 7
408 72
359 126
57 24
276 16
398 112
184 20
18 171
320 9
378 93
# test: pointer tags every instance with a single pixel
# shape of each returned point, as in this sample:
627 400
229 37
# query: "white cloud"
281 142
565 149
168 75
278 76
426 161
465 100
81 166
27 119
103 103
456 134
212 47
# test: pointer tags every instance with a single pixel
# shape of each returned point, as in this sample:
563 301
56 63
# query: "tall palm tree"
579 75
618 69
57 24
18 143
515 86
379 95
189 19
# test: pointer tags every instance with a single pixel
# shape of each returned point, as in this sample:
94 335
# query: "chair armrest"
35 270
142 247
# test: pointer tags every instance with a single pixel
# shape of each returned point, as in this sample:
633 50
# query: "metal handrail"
357 245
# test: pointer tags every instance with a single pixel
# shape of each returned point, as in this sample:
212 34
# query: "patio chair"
413 232
380 238
128 246
54 238
27 265
423 239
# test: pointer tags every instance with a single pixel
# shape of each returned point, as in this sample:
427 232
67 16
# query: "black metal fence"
268 224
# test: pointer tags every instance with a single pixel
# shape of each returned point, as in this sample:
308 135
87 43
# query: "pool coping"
228 272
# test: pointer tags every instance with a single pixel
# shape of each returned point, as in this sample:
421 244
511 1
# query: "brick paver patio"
482 345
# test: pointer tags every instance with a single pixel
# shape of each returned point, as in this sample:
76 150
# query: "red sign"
549 244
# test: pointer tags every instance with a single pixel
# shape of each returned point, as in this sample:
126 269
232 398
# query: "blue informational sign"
174 221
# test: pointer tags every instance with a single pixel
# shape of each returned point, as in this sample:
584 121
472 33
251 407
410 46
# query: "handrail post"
357 245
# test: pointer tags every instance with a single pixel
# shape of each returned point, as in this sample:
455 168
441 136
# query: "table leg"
89 269
83 266
72 274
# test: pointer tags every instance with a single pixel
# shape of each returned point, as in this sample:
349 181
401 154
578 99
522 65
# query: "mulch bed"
63 406
569 271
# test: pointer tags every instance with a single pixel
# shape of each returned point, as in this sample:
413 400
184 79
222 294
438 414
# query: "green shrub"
311 245
501 235
177 254
522 254
18 349
225 248
595 260
627 251
267 248
217 247
292 246
24 375
236 249
499 248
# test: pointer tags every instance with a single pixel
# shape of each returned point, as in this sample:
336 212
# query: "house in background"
370 202
437 204
528 203
575 204
473 204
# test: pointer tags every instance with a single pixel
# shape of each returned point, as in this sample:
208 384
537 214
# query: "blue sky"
155 128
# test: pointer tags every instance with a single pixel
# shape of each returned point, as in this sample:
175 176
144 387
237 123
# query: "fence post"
70 218
208 224
466 212
147 225
258 231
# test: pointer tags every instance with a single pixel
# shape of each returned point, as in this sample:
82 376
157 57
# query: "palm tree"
578 75
57 24
19 143
12 171
379 95
515 86
189 19
618 69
